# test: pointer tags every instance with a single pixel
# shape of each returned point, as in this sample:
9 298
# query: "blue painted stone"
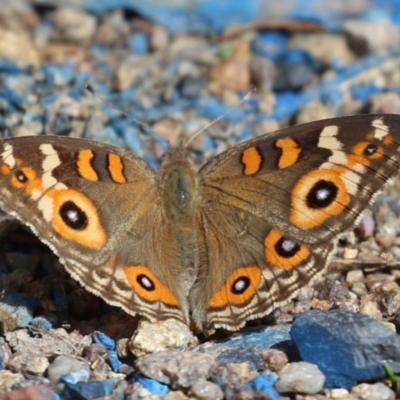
347 347
87 390
82 375
247 345
151 385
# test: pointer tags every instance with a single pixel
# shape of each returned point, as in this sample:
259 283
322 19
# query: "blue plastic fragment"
40 321
10 67
59 74
109 344
362 92
11 100
212 108
113 360
151 385
133 140
264 384
104 340
79 88
138 42
288 103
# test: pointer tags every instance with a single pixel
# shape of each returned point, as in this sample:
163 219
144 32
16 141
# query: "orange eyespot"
147 286
283 252
317 196
239 288
75 217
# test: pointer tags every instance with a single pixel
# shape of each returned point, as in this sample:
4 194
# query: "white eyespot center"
73 215
288 245
239 285
146 282
322 194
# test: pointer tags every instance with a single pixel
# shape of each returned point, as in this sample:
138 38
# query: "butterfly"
214 247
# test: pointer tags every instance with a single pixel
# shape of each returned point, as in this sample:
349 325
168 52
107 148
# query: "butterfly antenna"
144 126
248 94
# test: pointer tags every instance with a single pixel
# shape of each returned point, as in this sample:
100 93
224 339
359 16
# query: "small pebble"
234 72
235 374
179 370
205 390
33 392
263 73
375 391
122 348
301 377
339 394
28 363
354 276
155 337
367 36
388 103
63 365
174 395
370 308
18 46
74 25
386 235
327 48
159 39
274 359
350 254
94 352
8 379
375 280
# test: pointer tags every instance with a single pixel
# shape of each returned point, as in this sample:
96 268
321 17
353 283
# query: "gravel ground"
58 340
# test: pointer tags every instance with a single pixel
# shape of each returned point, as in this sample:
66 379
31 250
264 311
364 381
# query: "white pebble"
300 377
376 391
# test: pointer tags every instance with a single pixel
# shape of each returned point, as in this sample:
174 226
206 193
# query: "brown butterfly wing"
273 207
98 208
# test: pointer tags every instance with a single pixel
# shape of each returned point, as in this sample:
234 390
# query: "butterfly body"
218 246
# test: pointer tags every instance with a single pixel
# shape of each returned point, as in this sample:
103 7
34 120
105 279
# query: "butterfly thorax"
180 196
179 185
